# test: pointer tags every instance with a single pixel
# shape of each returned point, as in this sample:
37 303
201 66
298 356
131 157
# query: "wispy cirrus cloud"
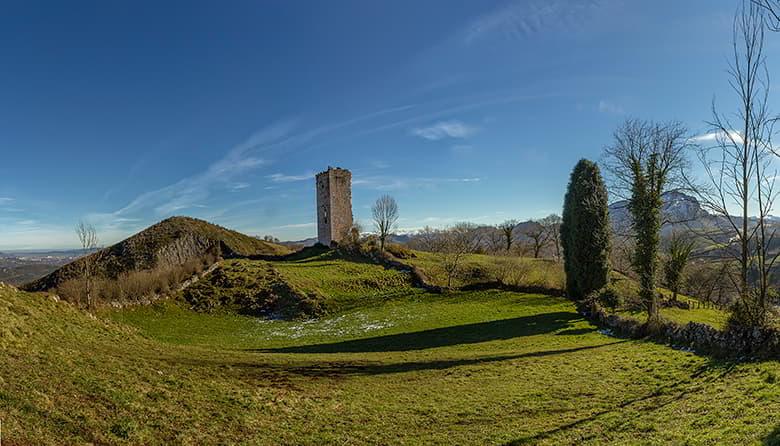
239 186
389 183
522 19
610 107
445 129
191 191
718 136
282 178
296 226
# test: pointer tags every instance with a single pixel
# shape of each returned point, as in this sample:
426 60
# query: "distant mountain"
174 241
677 208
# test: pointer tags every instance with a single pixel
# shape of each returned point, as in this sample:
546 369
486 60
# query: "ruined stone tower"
334 205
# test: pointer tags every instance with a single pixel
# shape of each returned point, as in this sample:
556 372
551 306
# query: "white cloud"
239 186
445 129
190 192
610 107
6 200
718 136
522 19
387 183
282 178
296 225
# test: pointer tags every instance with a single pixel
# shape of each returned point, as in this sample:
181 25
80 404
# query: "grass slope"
486 367
544 273
174 240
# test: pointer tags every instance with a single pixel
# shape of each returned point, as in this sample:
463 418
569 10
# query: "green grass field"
393 365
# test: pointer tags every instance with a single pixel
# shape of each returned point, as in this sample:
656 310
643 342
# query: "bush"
610 298
135 285
585 231
399 251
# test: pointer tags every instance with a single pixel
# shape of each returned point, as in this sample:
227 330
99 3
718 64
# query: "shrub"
399 251
585 231
610 298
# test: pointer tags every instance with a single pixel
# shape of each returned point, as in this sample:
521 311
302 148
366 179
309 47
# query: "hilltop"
171 242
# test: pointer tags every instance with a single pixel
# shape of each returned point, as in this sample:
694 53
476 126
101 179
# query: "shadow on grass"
652 401
443 337
339 369
575 331
773 439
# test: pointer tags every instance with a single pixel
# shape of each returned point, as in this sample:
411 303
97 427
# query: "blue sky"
124 113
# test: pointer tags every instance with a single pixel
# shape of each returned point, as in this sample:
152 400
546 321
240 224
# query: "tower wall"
334 205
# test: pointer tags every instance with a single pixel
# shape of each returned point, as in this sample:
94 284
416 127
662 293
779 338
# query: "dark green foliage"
585 231
645 208
610 298
678 252
644 160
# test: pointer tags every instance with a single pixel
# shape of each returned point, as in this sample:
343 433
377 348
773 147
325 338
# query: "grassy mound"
303 285
251 287
345 281
174 241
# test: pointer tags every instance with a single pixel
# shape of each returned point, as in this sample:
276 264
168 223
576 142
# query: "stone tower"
334 205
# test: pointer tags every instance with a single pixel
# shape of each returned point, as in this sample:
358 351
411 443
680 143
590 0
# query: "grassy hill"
173 241
394 365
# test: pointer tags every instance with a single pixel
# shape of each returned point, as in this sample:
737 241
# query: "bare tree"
89 241
450 245
427 239
771 8
385 213
644 160
739 173
508 228
552 226
494 237
459 240
538 235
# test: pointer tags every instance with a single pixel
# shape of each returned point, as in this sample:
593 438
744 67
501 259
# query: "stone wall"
701 338
334 205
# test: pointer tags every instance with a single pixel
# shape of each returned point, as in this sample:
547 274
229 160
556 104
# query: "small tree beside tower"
385 215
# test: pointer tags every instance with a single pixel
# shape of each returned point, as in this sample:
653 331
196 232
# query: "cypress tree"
585 231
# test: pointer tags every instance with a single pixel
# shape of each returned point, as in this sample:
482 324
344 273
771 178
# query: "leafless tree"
385 214
494 238
89 241
508 228
740 173
771 10
645 160
539 236
552 226
459 240
450 245
427 239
